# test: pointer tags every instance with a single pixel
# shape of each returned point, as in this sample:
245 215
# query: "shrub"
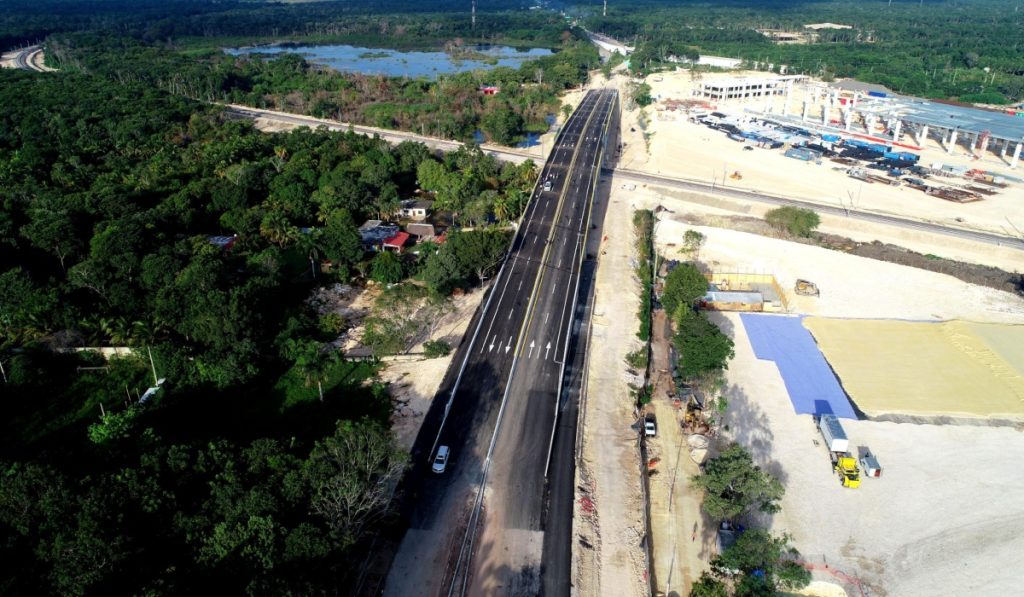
643 396
637 359
433 349
795 220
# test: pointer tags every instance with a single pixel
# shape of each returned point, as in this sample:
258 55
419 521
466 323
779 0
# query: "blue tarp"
813 388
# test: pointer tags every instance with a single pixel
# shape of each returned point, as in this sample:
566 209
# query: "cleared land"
945 517
608 553
901 367
851 286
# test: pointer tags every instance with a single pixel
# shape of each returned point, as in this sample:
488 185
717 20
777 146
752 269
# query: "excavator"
806 288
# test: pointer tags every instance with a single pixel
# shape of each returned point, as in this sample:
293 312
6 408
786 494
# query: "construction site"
884 397
838 386
843 144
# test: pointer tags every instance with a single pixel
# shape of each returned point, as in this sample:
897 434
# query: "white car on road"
441 460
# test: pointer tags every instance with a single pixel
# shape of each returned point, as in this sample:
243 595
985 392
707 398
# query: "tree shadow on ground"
748 425
493 578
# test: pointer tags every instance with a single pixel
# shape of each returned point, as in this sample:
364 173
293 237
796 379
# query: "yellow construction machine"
849 472
843 463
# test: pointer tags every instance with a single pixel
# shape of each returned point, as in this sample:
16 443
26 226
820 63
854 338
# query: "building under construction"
747 88
868 112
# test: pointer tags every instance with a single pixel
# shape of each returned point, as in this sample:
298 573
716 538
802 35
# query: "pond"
393 63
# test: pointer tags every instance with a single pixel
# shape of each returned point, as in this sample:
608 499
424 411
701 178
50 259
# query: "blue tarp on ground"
813 388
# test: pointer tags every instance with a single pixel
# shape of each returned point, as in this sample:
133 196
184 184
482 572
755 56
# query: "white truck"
843 464
835 436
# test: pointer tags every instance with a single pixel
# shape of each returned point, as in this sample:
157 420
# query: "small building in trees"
421 230
490 89
397 242
374 232
226 243
414 209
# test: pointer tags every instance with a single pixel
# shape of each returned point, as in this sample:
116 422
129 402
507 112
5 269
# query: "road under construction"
480 526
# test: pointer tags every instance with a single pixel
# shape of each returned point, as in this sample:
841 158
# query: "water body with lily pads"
395 63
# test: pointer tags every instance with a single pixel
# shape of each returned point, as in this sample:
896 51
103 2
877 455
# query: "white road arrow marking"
547 349
508 346
491 347
532 346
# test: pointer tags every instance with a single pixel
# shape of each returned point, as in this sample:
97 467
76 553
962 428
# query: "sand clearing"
919 368
818 588
850 286
945 518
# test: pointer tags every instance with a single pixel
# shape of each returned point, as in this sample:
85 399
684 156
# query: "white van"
441 460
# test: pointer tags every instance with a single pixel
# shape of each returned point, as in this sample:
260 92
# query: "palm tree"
502 207
276 228
311 362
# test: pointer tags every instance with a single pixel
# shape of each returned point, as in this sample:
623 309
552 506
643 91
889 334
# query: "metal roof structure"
957 118
726 296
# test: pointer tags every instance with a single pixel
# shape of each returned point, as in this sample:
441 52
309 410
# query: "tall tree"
341 241
733 484
703 348
683 286
767 562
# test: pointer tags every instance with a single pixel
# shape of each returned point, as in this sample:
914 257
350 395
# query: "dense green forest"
969 50
237 475
28 21
178 46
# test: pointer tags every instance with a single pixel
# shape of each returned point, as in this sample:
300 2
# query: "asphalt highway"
544 253
24 57
517 480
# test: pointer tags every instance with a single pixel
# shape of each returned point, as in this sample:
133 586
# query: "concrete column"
1016 155
804 117
1006 147
922 135
896 131
869 124
824 113
789 95
952 142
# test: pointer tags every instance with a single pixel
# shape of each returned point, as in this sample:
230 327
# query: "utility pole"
473 17
605 13
156 382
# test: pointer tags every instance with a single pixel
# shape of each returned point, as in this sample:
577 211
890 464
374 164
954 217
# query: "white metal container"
832 431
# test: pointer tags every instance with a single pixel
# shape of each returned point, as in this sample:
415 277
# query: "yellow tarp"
949 368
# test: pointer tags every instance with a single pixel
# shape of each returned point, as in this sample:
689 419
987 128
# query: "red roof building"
396 242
